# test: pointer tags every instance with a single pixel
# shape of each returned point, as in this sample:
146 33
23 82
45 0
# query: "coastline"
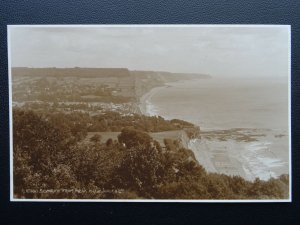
258 158
145 106
261 157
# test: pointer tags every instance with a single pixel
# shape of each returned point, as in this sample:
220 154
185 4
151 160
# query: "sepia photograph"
150 113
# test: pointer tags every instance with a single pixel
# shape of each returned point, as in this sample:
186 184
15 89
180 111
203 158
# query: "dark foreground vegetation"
52 159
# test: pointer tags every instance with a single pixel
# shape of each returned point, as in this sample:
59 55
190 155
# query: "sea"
256 106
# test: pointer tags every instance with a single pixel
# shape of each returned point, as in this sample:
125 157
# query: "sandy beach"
261 158
145 105
247 152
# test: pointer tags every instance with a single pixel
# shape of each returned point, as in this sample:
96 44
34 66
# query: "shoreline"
256 158
250 160
146 108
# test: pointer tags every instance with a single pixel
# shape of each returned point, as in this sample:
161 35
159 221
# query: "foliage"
132 138
96 138
52 160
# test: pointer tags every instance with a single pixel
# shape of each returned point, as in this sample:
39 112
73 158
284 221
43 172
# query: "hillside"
98 88
71 72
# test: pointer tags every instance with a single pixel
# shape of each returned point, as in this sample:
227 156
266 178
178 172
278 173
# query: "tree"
141 170
96 138
38 138
132 138
109 142
38 148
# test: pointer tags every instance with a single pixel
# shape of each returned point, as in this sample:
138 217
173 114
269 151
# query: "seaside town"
93 119
90 90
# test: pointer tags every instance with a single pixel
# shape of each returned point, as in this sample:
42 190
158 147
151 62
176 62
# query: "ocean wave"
151 109
248 160
260 160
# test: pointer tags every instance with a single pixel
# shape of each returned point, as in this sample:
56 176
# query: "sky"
215 50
